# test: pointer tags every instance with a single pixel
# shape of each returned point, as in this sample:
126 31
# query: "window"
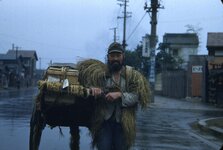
175 52
218 53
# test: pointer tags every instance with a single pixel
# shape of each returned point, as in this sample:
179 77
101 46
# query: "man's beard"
115 66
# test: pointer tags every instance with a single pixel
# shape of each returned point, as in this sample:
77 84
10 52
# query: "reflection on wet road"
163 126
15 113
16 105
166 126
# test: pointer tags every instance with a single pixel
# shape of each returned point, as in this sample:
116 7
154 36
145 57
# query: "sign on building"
197 69
146 46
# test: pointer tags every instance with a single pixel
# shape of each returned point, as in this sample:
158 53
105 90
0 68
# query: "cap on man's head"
115 47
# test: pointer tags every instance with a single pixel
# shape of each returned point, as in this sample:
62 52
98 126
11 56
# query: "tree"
132 59
135 59
194 29
165 61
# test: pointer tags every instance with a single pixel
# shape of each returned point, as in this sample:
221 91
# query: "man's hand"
112 96
96 92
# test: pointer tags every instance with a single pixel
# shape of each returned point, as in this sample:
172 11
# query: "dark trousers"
111 136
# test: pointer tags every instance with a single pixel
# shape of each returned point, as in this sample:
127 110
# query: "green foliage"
132 59
135 59
165 61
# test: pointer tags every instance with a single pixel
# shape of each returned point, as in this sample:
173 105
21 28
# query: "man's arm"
128 98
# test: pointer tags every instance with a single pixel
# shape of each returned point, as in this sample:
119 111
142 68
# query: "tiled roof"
23 53
6 57
215 39
181 38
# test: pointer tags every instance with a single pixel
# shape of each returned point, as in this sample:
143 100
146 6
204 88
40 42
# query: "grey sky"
67 30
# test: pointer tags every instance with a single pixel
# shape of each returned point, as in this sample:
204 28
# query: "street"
165 125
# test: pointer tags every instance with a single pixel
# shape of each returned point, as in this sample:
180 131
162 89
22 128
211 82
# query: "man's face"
115 61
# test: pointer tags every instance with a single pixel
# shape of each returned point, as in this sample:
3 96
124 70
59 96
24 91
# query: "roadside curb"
213 126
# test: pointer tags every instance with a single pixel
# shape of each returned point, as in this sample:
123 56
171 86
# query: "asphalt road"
165 125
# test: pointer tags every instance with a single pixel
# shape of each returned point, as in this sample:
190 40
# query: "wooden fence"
174 84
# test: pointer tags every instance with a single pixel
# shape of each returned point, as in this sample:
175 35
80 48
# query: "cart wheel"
36 127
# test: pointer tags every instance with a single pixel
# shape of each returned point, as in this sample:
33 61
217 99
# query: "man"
119 103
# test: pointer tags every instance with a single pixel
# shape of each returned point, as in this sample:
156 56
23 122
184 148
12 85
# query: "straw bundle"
56 87
91 73
139 85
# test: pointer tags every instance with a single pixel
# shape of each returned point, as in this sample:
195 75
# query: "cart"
62 102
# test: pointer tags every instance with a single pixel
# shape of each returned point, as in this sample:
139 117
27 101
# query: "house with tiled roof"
215 44
181 45
215 66
17 64
215 49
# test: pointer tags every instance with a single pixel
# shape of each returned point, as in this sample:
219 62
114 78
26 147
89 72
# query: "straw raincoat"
93 73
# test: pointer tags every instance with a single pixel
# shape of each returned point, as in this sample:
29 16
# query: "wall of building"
186 52
197 76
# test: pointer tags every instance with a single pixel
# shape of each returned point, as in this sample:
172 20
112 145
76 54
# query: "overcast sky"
69 30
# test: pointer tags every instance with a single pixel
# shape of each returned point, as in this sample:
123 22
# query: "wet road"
163 126
166 126
15 114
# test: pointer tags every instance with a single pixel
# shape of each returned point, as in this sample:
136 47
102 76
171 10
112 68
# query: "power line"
136 27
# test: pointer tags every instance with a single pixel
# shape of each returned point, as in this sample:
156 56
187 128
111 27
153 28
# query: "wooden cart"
61 101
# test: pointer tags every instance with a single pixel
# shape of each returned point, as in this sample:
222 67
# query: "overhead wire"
138 11
136 26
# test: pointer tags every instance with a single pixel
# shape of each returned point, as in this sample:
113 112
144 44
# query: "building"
17 67
215 67
197 74
204 73
215 48
181 45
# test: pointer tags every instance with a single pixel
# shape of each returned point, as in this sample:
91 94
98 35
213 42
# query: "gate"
174 84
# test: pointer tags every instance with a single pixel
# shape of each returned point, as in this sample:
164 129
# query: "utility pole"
16 58
39 63
153 9
114 29
124 26
13 46
16 52
124 3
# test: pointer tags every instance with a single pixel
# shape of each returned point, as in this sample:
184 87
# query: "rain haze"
67 31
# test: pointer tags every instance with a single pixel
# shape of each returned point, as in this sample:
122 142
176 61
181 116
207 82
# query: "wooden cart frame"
78 113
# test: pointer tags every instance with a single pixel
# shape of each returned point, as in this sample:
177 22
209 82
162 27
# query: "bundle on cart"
60 86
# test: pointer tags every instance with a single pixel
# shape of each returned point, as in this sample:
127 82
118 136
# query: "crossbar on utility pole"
124 22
